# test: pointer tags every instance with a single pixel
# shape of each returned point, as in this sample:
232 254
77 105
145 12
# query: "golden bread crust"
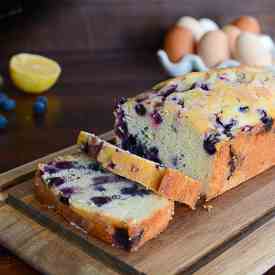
242 158
179 187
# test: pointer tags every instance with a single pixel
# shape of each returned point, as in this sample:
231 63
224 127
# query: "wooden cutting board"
233 235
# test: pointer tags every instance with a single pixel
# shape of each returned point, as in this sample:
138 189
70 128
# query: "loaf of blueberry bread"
216 126
106 206
168 182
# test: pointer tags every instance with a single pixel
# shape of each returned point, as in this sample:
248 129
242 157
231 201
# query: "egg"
192 24
232 33
213 48
208 25
267 42
247 24
250 50
177 42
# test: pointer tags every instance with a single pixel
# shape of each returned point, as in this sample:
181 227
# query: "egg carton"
240 42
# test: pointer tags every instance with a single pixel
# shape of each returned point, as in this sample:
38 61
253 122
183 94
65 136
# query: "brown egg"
177 42
247 24
232 33
213 48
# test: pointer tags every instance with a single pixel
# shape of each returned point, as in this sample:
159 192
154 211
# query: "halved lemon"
33 73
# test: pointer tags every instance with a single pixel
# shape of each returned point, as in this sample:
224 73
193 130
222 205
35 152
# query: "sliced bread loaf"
216 126
106 206
168 182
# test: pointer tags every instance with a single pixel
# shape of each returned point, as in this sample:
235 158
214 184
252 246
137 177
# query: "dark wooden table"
107 50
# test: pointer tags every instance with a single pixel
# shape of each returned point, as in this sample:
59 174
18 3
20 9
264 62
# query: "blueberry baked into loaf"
168 182
216 126
106 206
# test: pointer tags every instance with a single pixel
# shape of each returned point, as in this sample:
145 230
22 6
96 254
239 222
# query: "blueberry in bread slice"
168 182
106 206
216 126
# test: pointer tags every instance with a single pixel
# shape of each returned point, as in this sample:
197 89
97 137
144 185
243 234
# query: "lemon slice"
33 73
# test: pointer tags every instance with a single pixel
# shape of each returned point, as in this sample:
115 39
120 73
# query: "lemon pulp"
33 73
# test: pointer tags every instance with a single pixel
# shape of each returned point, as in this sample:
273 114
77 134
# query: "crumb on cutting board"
208 207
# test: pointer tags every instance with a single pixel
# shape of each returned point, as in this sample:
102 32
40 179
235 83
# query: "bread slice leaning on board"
216 127
167 182
106 206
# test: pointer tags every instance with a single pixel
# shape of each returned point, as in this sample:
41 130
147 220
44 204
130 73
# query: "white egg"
267 42
208 25
251 50
192 24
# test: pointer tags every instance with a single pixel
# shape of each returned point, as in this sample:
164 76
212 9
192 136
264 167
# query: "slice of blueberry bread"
215 126
106 206
168 182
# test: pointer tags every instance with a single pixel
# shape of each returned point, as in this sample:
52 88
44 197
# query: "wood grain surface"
246 256
193 239
107 50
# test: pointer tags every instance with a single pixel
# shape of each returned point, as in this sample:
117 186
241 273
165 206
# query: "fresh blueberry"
103 179
266 120
226 127
134 190
210 142
64 200
8 105
50 169
140 109
169 91
65 164
67 191
181 102
101 200
3 122
3 97
100 188
42 99
175 161
55 181
121 100
153 154
156 117
204 86
244 109
39 107
134 146
122 239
